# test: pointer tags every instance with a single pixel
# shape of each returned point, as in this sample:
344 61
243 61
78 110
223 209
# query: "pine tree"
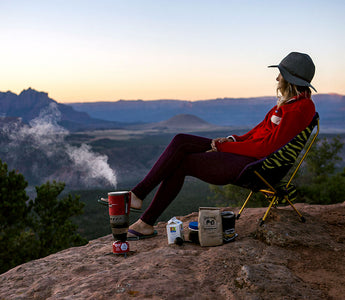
35 228
52 218
17 240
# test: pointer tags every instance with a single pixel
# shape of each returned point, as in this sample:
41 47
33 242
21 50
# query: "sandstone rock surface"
284 259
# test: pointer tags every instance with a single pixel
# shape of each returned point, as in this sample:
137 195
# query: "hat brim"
291 78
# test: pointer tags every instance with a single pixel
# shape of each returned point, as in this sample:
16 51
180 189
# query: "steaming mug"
119 207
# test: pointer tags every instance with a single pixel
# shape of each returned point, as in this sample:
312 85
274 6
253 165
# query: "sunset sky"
106 50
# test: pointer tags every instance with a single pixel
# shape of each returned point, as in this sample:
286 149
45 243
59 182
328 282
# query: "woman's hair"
287 90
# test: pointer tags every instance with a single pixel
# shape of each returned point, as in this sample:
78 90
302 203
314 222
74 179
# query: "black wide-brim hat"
297 68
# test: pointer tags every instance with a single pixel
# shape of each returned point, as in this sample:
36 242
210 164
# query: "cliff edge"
284 259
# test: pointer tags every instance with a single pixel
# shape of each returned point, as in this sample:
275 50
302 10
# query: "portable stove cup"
119 208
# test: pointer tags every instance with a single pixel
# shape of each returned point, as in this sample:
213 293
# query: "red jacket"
277 129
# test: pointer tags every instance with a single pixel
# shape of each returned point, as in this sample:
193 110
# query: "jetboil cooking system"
119 206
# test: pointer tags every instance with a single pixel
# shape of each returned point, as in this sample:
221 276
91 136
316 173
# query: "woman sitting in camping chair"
220 161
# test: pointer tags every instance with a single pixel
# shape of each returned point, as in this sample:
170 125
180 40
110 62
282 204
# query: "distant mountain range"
223 112
30 103
104 115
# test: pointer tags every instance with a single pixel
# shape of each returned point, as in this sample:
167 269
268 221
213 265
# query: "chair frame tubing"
271 190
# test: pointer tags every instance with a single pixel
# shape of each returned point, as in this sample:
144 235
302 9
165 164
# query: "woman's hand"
219 140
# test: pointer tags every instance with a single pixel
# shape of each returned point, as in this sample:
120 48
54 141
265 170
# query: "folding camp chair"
266 175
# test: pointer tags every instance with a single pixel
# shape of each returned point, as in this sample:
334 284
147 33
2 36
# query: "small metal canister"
193 232
228 222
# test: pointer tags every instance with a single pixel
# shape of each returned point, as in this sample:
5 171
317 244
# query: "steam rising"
51 156
90 163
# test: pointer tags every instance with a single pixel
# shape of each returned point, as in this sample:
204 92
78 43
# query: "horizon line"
157 99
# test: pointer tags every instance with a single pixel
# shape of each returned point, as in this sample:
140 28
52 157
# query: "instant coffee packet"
210 226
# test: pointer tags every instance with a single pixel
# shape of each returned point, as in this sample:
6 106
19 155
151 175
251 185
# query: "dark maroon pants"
186 156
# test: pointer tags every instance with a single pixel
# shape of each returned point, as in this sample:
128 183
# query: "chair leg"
268 210
244 204
299 214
